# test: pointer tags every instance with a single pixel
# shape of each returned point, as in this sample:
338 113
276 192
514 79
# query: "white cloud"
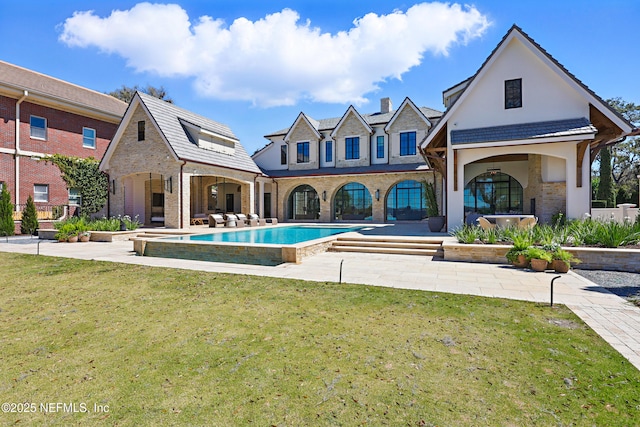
276 60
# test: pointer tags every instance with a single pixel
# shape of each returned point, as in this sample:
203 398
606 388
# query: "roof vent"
385 105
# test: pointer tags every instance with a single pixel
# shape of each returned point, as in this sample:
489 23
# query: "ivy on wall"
84 175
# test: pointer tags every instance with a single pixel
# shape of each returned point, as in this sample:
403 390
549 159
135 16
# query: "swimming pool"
267 245
288 235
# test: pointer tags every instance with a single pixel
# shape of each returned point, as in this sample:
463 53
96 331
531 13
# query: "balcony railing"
45 212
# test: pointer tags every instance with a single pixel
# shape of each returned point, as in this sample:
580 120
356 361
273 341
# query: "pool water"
272 235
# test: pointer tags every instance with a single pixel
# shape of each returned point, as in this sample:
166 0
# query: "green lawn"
159 346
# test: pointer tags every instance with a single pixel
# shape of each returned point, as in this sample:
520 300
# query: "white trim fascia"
351 109
407 101
575 138
304 117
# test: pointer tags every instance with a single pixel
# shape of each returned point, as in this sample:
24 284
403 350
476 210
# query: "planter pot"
85 238
538 264
72 239
435 223
560 266
521 262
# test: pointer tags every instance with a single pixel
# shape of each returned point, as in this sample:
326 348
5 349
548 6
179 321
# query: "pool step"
388 245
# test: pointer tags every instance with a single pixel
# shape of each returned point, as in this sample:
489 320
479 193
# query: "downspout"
277 195
184 162
17 155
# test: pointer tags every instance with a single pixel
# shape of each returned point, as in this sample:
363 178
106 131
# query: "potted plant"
434 219
562 260
517 255
539 257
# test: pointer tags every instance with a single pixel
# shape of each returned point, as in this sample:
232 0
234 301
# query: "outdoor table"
507 220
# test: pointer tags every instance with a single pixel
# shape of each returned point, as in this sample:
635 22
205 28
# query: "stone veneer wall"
408 120
590 258
550 196
151 155
331 184
302 133
352 127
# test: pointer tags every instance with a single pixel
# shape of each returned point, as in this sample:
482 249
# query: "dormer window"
208 140
513 93
303 152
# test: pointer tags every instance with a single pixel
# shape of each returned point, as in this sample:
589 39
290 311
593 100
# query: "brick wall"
64 136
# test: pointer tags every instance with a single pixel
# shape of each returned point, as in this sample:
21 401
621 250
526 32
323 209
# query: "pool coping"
235 252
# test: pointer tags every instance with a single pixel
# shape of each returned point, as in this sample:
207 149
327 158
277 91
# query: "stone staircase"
425 246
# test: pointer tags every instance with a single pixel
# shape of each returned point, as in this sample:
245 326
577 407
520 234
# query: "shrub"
467 234
7 226
29 223
535 252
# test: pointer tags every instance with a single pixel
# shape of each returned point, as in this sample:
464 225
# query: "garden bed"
592 258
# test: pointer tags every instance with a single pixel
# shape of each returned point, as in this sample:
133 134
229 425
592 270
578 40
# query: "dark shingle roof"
168 117
357 170
372 119
36 83
548 129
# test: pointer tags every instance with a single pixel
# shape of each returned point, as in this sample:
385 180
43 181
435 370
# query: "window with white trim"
408 144
303 152
38 127
75 199
88 138
328 151
352 148
41 192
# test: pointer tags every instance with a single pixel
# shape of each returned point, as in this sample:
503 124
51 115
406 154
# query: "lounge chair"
216 220
485 224
243 219
232 221
254 220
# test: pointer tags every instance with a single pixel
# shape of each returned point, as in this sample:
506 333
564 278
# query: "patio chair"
485 224
216 220
527 223
243 219
253 220
232 221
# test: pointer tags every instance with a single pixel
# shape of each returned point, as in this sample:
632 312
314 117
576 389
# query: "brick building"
39 116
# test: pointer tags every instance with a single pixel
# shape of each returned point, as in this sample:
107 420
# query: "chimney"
385 105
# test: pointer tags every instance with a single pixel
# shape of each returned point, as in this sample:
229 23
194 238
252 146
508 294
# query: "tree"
7 226
29 223
605 186
84 175
625 156
126 93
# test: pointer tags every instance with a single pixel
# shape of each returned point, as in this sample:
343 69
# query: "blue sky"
255 65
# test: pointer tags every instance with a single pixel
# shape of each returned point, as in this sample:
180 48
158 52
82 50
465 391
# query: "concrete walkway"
612 317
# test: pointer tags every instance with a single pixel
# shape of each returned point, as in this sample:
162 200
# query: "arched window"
304 203
493 193
352 202
406 202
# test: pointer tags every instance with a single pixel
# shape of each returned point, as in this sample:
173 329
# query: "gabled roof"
302 117
373 119
172 122
59 94
524 131
516 32
407 103
352 110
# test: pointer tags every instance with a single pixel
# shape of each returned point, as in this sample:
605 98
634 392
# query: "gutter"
17 146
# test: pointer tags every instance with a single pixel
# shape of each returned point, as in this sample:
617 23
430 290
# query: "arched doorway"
352 202
303 203
493 193
406 201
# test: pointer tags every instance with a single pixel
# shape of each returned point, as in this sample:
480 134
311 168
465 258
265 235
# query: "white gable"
546 95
